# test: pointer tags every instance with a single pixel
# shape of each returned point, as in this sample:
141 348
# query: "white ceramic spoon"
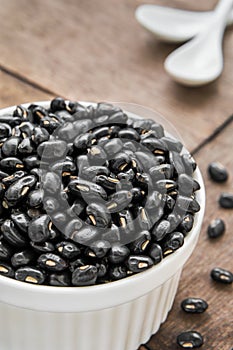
200 61
174 25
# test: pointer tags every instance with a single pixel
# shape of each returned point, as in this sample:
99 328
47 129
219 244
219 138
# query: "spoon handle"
222 9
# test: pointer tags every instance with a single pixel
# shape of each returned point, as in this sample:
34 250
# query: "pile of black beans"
89 194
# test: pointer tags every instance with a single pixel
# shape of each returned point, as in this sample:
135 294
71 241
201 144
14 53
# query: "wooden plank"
95 50
216 323
13 91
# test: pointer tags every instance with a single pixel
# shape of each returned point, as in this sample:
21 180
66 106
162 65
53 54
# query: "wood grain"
95 50
216 324
13 92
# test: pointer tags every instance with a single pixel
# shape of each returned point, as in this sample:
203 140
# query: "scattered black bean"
216 228
221 275
226 200
217 172
190 340
194 305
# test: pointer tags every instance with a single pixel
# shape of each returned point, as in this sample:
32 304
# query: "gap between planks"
41 88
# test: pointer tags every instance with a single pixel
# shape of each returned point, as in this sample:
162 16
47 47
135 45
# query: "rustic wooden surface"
95 50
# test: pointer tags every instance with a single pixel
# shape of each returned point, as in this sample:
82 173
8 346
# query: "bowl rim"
90 298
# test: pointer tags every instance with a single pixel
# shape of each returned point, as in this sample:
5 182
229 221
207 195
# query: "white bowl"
119 315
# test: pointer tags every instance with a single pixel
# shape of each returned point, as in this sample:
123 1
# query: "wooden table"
95 50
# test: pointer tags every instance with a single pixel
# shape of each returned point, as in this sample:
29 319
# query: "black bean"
189 163
91 172
185 184
22 258
40 135
11 164
162 171
84 141
59 279
144 181
83 234
154 201
108 182
138 263
183 203
96 155
102 267
35 198
226 200
190 340
86 189
39 229
161 229
52 262
216 228
139 245
10 119
101 131
104 108
98 214
173 241
31 162
119 201
68 250
194 305
5 130
118 253
77 208
6 270
57 104
38 112
46 247
5 251
12 234
9 180
84 275
177 162
25 146
51 205
221 275
51 183
19 190
82 163
113 146
165 185
117 272
50 122
130 134
30 275
217 172
52 150
142 125
146 159
186 224
98 249
155 252
3 175
21 220
10 146
157 146
112 234
172 144
144 220
120 162
137 194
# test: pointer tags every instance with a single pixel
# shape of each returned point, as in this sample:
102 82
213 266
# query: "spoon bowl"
200 61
